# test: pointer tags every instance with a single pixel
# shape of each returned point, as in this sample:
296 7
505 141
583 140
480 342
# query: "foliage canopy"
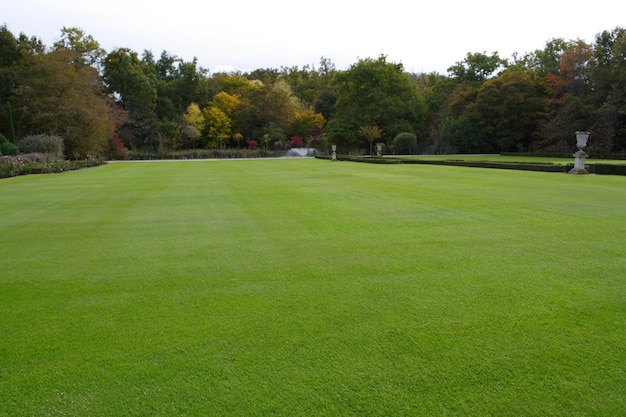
100 101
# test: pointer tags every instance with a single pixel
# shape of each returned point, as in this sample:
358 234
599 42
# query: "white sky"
251 34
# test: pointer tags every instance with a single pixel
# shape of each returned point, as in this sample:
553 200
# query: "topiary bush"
6 147
46 144
405 144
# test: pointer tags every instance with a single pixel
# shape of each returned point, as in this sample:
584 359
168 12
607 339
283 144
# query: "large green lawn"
304 287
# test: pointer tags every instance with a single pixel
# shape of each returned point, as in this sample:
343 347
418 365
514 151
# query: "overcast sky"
247 34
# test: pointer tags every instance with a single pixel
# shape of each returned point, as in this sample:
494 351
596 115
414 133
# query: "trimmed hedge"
405 143
604 169
562 154
204 154
368 159
523 166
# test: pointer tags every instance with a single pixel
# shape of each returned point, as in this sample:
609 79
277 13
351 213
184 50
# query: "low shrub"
116 148
37 163
367 159
12 166
52 146
405 144
6 147
296 142
606 169
523 166
8 167
568 155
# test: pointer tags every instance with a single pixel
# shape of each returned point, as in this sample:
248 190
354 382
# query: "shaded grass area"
305 287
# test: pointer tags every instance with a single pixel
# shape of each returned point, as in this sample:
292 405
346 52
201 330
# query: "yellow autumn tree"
371 133
217 126
228 103
194 122
306 122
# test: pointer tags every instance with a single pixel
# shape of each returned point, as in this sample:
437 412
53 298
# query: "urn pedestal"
580 156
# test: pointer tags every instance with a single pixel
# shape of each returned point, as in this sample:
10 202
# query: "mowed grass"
306 287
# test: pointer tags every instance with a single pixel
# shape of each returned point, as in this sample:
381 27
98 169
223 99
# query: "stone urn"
379 149
580 156
581 139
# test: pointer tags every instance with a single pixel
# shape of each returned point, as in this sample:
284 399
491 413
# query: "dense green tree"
547 60
133 84
608 73
178 84
312 85
507 111
274 105
436 90
477 67
9 57
567 106
169 136
189 85
57 92
9 48
271 135
265 75
125 77
15 55
57 97
461 135
302 83
375 92
87 49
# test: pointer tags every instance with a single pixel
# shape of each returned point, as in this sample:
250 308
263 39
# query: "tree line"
105 103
